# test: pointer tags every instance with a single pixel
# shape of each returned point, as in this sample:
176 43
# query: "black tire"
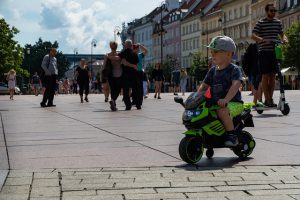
246 145
209 153
286 109
259 111
191 149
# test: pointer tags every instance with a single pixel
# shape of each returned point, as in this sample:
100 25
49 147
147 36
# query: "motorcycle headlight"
189 114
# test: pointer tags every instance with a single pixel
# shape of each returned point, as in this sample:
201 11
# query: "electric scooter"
283 106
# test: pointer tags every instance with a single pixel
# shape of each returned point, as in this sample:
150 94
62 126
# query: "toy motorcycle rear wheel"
246 145
191 149
286 109
209 153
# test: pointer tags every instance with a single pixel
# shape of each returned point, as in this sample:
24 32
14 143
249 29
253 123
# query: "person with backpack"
251 69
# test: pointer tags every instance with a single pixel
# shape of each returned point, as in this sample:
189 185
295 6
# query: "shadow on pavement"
216 163
268 116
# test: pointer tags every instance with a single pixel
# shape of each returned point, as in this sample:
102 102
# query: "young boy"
224 79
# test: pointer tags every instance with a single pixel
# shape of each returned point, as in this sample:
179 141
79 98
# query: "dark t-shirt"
83 74
130 57
35 79
220 81
176 76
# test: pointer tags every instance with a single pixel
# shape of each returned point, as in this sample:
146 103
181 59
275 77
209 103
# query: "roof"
198 8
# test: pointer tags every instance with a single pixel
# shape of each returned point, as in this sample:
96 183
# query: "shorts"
36 86
254 80
176 83
235 108
267 62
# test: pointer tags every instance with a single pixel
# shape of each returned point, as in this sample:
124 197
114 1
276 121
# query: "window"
241 11
247 10
183 30
230 15
235 14
142 37
194 44
194 27
198 25
190 28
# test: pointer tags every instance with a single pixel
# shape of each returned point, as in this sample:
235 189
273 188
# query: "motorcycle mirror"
179 100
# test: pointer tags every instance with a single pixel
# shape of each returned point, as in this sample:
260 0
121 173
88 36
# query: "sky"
72 23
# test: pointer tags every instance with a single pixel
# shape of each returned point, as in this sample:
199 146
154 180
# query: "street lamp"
203 34
28 53
116 32
75 53
93 45
163 7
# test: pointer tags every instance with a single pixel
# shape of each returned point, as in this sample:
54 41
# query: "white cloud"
73 23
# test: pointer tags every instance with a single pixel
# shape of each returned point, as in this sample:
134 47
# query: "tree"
11 55
32 61
199 67
292 48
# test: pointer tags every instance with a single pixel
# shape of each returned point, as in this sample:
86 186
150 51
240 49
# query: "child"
224 79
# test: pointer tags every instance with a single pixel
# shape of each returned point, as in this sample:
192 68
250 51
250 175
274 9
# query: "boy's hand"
222 103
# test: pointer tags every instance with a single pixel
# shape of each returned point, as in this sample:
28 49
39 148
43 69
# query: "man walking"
265 32
49 65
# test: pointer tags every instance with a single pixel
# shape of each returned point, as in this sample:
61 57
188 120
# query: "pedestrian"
224 80
36 82
49 65
104 82
175 79
129 61
265 32
183 80
146 85
75 91
12 81
141 51
83 76
251 69
114 74
158 77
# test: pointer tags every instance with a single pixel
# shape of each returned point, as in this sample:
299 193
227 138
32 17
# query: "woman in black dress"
83 76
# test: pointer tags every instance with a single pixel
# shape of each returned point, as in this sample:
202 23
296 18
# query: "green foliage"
292 48
199 67
10 51
33 60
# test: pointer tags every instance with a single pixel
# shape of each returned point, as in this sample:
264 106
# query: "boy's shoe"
155 96
231 140
86 99
106 99
138 107
43 105
158 97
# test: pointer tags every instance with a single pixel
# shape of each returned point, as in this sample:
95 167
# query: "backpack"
249 58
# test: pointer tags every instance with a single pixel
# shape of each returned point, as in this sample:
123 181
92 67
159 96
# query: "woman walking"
11 78
183 80
83 76
158 77
114 74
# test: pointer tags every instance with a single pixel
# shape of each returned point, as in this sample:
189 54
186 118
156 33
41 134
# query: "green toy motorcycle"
205 130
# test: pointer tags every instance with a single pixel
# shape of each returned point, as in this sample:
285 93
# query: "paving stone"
126 191
79 177
142 185
295 196
271 197
214 179
261 182
98 186
185 189
244 187
217 195
154 196
286 186
93 181
45 183
274 192
45 192
197 184
18 181
106 197
13 196
24 189
17 174
53 175
125 169
79 193
44 198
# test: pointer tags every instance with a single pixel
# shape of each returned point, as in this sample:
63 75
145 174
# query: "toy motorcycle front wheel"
246 145
191 149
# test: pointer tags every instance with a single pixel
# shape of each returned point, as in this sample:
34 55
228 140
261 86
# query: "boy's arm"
126 63
203 87
236 84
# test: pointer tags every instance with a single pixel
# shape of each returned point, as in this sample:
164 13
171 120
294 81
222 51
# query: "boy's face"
220 57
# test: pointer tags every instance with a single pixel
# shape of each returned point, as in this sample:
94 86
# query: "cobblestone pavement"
240 182
85 152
